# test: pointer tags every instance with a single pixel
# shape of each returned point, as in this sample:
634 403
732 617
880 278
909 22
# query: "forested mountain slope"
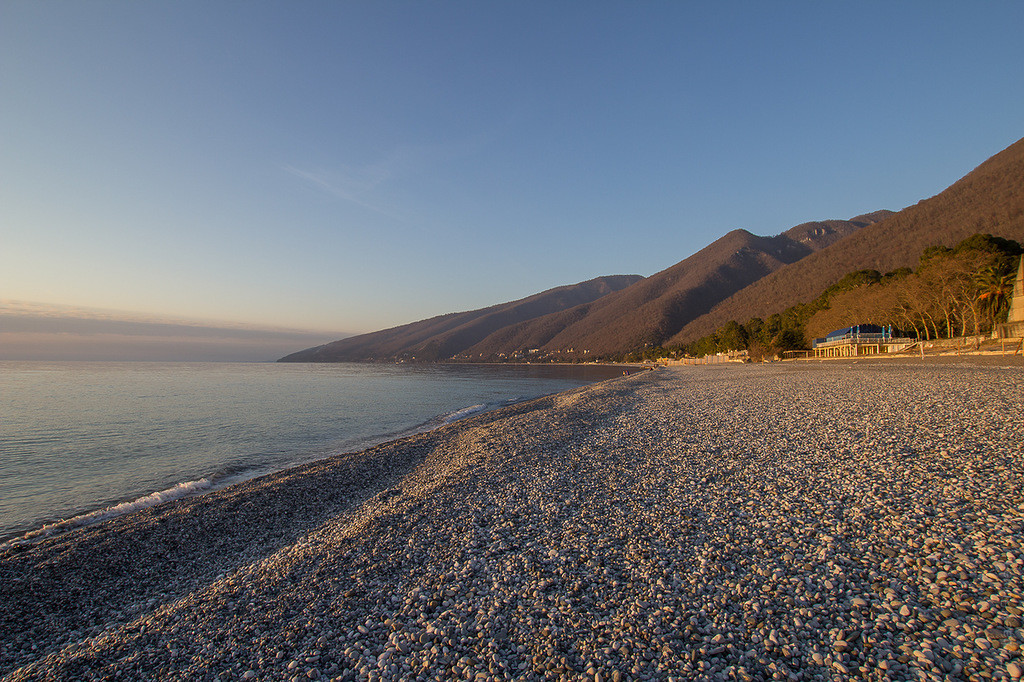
990 199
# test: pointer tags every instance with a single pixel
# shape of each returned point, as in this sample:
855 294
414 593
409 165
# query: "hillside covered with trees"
989 200
954 291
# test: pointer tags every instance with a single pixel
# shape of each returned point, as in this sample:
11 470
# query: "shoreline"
116 567
690 522
205 481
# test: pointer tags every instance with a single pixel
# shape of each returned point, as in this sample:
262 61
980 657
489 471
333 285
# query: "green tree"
732 336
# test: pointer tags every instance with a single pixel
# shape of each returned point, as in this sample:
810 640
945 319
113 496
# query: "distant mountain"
655 308
990 200
445 336
737 277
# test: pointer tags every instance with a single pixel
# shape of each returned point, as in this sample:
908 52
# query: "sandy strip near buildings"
796 521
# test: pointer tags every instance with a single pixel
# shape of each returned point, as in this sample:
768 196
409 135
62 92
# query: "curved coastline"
673 523
218 481
220 474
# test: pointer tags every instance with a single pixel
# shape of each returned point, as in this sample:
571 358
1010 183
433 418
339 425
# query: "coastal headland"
805 521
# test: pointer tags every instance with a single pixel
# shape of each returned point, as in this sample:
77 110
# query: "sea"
85 441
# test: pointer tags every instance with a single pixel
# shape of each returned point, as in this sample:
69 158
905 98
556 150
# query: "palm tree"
994 287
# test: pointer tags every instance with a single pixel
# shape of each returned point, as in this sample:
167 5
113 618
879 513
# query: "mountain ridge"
737 277
989 199
570 319
653 308
443 336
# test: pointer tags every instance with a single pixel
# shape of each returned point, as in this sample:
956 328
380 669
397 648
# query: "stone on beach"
779 522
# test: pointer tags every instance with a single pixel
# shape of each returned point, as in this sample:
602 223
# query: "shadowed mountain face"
602 316
445 336
655 308
990 200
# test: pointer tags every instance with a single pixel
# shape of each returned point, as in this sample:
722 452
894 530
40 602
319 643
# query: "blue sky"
348 166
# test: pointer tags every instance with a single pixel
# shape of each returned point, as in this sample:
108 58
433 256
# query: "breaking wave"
230 476
456 415
176 492
462 414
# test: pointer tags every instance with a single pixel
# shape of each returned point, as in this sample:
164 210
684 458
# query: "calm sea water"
79 439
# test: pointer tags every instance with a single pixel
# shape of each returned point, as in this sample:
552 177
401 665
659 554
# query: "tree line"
959 291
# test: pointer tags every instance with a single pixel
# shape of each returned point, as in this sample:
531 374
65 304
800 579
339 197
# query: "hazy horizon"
39 332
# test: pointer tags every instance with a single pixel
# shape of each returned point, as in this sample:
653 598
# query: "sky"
342 167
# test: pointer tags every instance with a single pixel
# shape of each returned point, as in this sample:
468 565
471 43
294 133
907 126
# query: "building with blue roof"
860 339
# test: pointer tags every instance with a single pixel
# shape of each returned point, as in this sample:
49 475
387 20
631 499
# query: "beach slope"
800 521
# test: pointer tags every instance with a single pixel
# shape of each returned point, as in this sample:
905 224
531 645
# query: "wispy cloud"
359 185
366 186
348 186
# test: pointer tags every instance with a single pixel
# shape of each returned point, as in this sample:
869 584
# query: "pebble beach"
794 521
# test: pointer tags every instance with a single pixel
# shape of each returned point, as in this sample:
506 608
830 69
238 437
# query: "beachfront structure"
1013 328
858 340
716 359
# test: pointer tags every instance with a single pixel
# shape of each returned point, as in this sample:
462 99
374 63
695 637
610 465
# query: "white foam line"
463 413
180 490
194 487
